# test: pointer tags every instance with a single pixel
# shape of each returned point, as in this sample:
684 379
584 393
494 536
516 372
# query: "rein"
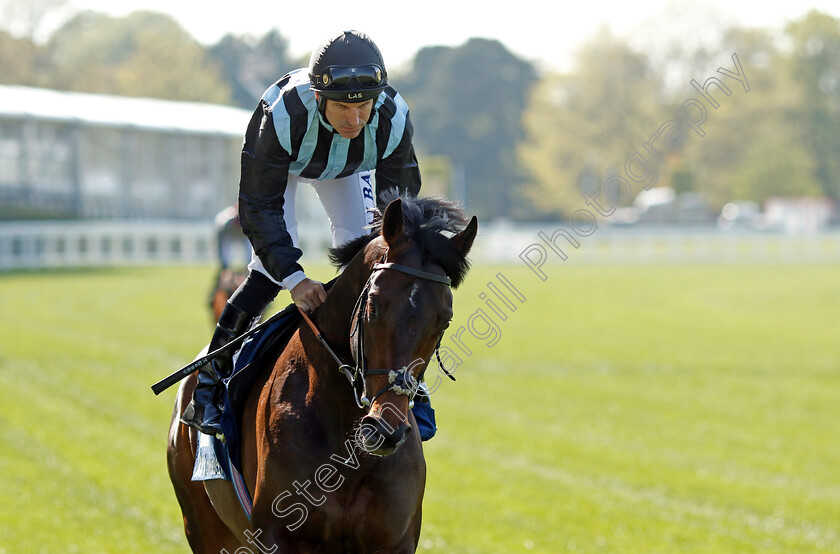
401 380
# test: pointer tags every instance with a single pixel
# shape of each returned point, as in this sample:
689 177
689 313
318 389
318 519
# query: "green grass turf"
621 409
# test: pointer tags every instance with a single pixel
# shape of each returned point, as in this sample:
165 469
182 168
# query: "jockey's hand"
308 295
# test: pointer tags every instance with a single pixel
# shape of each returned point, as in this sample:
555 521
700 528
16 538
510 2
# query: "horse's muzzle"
376 436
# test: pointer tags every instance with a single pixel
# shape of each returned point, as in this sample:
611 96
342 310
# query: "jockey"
329 126
229 235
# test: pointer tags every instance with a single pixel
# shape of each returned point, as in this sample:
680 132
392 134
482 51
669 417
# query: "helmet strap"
322 105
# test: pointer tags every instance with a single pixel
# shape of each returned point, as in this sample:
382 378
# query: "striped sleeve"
262 185
397 166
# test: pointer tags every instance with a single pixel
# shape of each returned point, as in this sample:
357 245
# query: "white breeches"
348 203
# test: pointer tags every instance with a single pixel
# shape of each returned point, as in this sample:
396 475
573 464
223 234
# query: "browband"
414 272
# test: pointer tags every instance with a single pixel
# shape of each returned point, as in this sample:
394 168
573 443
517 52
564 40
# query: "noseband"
401 380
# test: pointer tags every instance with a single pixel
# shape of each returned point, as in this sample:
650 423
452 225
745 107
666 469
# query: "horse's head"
227 281
403 311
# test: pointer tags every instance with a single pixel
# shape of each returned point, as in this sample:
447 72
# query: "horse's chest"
345 498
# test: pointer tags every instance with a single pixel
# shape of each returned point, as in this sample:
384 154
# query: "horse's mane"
430 222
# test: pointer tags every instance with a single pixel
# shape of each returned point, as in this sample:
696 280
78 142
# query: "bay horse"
333 465
227 281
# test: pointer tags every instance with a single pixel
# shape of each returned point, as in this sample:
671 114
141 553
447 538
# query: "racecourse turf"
615 409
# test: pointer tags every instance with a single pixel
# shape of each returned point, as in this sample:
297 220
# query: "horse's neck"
332 320
334 316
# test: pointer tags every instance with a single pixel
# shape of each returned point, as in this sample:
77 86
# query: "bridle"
401 381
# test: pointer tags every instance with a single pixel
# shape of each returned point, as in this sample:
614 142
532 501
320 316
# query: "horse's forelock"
433 213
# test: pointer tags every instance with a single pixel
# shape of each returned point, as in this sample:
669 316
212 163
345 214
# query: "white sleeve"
293 280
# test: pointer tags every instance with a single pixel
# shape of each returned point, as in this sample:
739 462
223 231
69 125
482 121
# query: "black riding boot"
205 411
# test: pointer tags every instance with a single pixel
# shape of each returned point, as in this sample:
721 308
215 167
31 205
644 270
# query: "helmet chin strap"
322 105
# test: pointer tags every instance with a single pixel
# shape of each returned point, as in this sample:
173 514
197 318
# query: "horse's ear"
393 222
464 239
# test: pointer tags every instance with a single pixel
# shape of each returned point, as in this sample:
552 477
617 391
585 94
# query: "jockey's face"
348 118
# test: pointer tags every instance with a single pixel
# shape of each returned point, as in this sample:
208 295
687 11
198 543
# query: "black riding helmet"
347 68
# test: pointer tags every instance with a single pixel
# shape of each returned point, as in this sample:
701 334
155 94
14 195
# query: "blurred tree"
467 103
20 55
815 65
24 18
756 145
581 127
142 54
18 60
681 42
250 66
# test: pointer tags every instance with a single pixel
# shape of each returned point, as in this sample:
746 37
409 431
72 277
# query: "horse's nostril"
371 422
378 437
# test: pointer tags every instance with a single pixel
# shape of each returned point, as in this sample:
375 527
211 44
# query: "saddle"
260 348
217 459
